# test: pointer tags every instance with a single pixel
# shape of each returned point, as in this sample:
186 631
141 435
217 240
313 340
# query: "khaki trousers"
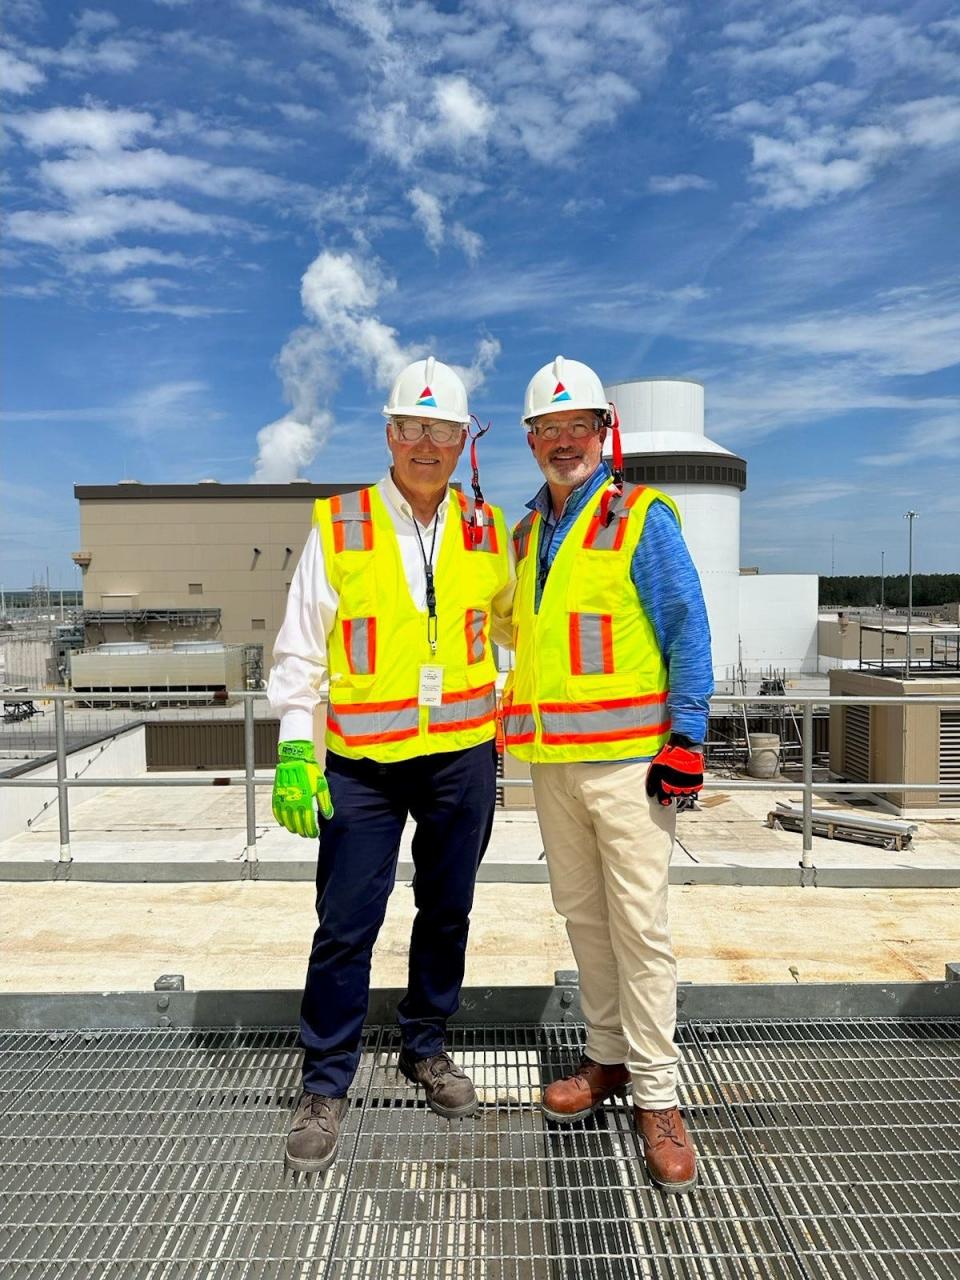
608 848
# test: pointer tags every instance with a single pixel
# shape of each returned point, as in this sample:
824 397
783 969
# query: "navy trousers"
451 798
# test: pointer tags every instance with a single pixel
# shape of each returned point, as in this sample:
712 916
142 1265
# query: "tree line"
864 589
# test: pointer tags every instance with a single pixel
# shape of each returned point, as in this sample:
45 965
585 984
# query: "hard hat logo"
560 393
426 397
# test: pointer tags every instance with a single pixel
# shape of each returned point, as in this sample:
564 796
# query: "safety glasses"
410 431
579 429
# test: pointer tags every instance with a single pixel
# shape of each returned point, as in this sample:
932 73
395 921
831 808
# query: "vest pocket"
591 644
360 645
475 631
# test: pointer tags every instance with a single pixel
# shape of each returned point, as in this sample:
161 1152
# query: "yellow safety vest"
590 682
379 639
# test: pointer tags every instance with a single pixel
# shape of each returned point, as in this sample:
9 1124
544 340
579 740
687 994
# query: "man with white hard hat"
609 703
392 608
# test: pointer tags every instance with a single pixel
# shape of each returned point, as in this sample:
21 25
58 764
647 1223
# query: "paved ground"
86 936
75 936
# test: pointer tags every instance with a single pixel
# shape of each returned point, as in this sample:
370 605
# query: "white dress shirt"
298 679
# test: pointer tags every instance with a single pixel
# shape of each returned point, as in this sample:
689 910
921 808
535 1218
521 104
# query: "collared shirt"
298 679
669 591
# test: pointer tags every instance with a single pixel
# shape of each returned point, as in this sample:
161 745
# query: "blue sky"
227 224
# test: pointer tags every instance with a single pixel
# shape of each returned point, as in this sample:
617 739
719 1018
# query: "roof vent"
129 482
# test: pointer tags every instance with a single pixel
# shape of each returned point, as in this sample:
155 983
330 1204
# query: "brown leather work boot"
314 1133
575 1097
669 1154
449 1091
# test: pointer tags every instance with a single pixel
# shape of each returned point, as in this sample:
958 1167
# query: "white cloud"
85 174
673 183
113 262
341 294
811 494
94 20
146 293
464 116
297 113
428 215
99 128
285 449
471 242
140 291
503 76
926 441
18 76
173 405
109 216
156 410
812 165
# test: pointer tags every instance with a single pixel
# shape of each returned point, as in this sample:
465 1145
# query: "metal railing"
251 779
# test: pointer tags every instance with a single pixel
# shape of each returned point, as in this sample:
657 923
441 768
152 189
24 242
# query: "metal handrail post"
63 806
249 762
806 857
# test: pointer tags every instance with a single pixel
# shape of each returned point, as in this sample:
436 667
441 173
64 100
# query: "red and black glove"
676 770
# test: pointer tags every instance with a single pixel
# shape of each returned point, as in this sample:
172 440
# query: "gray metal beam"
479 1005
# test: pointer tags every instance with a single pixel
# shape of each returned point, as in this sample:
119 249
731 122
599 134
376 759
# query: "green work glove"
298 782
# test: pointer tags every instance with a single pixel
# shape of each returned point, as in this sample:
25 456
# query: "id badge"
430 693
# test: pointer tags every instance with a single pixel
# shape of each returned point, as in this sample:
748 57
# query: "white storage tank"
664 445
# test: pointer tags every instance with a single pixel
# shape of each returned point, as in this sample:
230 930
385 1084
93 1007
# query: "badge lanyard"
431 589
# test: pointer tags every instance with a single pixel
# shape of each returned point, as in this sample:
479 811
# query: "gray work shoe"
449 1090
314 1133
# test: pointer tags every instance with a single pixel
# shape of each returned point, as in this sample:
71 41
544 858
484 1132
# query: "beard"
569 473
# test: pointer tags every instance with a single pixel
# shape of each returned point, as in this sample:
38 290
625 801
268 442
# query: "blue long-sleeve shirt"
668 588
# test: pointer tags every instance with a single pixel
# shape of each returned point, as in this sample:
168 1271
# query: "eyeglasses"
409 431
579 430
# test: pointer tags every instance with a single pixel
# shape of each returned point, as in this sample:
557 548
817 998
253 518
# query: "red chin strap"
476 520
615 487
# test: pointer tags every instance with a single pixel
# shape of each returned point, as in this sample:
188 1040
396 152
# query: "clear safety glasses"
579 429
409 430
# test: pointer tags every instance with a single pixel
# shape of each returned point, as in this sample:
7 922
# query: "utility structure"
909 516
665 445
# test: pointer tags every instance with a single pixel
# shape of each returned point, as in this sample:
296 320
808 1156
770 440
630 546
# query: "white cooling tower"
661 423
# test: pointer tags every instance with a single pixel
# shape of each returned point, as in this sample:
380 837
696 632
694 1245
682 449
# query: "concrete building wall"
778 621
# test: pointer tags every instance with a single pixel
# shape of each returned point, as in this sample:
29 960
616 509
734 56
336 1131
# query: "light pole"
882 584
909 516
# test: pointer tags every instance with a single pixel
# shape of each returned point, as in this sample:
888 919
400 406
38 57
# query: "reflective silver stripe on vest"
353 518
519 724
484 704
606 536
369 724
475 621
590 630
360 646
580 722
521 535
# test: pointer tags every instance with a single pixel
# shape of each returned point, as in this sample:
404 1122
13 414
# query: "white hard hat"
428 389
563 384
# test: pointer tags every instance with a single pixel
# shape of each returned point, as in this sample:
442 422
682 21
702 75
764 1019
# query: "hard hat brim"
565 406
424 411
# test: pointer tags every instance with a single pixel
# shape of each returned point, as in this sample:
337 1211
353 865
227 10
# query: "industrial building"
190 576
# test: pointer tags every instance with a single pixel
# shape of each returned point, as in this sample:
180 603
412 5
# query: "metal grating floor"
827 1149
